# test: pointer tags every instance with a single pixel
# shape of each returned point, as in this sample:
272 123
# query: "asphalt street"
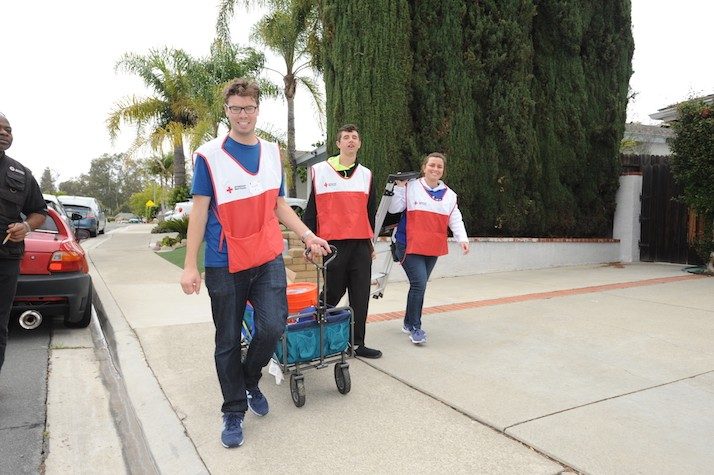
23 394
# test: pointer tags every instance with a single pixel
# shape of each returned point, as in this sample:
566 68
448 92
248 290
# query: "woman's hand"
465 247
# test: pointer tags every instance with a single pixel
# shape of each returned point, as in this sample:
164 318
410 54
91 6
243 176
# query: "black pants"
351 271
9 270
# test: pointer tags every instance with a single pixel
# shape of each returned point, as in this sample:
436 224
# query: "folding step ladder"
385 224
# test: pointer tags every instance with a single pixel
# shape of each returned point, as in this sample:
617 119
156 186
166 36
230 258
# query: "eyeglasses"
237 110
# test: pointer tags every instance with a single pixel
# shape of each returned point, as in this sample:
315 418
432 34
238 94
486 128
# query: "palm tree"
291 30
170 113
286 31
209 75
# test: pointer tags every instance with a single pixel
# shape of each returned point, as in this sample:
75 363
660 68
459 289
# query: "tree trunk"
179 163
290 85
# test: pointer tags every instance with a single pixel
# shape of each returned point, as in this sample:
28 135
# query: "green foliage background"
526 98
693 155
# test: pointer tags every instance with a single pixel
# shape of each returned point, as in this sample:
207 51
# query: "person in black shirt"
341 209
19 193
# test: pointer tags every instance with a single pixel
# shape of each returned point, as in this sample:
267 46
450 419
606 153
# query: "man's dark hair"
242 87
347 128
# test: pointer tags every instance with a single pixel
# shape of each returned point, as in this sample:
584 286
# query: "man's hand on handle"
317 246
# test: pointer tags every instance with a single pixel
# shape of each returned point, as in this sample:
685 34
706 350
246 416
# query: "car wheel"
86 316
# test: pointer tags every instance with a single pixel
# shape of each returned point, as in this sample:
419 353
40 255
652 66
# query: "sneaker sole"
232 446
257 413
417 342
408 332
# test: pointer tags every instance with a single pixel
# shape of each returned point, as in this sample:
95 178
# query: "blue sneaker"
418 336
407 329
257 403
232 434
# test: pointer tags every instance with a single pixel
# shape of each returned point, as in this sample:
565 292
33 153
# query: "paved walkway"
602 369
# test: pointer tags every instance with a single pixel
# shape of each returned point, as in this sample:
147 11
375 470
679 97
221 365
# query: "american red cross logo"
229 189
325 185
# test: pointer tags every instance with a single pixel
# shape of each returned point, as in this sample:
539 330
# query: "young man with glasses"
237 203
342 208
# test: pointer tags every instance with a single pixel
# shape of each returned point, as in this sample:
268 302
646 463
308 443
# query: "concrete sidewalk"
602 369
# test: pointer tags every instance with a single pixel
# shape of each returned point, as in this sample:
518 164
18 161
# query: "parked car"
181 209
88 202
87 222
52 202
54 277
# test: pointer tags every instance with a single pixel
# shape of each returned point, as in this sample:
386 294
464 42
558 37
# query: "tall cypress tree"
526 97
367 63
583 53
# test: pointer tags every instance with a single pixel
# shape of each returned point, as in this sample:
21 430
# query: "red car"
54 277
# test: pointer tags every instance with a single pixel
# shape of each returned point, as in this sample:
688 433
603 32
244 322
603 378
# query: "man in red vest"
237 203
341 209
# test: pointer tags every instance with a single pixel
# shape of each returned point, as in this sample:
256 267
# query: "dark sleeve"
309 216
34 202
372 205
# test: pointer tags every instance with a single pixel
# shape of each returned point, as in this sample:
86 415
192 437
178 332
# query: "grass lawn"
177 256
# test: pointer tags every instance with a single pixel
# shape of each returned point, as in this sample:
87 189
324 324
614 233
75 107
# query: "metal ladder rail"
384 258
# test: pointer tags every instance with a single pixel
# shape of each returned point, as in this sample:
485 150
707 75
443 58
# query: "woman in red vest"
421 237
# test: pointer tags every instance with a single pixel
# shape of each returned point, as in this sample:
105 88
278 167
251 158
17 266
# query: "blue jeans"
264 286
418 269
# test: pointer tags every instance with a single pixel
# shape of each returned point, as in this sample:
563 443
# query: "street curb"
162 430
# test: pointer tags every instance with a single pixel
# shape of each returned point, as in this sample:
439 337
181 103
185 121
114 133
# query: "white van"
88 202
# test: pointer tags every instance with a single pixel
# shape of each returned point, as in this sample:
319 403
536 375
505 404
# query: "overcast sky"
57 79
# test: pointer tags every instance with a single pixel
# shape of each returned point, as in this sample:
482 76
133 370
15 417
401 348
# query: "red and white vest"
427 220
341 202
245 203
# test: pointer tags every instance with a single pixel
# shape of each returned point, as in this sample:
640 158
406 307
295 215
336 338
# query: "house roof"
640 132
669 113
308 159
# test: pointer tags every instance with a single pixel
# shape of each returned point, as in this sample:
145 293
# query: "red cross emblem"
229 189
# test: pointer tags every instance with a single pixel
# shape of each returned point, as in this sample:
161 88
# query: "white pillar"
626 226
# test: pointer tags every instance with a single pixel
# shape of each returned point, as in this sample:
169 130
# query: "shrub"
168 241
179 226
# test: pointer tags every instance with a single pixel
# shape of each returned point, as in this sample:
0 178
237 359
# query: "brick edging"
381 317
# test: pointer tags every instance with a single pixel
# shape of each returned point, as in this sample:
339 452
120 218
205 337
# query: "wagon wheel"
342 377
297 389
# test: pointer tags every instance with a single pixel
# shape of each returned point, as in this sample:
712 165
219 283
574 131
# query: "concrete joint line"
161 430
608 399
566 468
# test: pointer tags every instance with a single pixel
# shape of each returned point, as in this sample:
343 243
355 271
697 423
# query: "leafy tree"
153 192
287 31
692 164
167 115
47 181
111 179
693 155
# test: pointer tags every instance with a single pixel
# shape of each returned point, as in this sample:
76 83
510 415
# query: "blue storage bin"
303 338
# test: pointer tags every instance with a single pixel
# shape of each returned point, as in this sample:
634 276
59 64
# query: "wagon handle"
325 262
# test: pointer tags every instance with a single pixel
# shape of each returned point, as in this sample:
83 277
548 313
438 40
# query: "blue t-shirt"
401 235
249 157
